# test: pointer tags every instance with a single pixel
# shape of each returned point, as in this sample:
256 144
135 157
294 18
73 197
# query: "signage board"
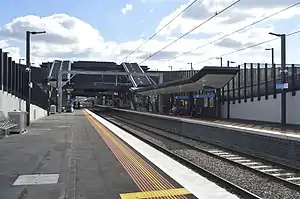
195 96
282 86
204 96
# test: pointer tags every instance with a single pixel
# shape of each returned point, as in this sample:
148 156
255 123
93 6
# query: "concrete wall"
37 113
265 110
9 102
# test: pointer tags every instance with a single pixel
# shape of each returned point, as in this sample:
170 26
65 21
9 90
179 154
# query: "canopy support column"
190 103
218 103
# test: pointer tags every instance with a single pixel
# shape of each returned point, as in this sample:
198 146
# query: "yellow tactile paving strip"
151 183
159 193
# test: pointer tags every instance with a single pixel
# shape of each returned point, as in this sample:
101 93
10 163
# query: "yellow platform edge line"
153 194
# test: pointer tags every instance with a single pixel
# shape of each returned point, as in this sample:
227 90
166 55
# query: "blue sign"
209 89
204 96
181 97
195 96
282 86
279 86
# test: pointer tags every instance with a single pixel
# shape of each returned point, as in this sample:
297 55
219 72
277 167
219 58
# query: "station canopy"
208 76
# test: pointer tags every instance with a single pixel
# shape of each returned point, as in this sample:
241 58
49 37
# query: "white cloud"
65 36
231 19
126 9
13 51
151 10
3 43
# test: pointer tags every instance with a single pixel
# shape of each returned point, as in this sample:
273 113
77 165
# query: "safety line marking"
144 176
148 182
154 194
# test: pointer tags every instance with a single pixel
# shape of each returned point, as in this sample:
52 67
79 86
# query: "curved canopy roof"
208 76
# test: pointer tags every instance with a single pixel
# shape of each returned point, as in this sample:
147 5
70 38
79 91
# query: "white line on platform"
193 182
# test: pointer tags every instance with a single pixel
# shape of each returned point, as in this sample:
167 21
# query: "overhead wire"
248 47
293 33
238 30
158 31
193 29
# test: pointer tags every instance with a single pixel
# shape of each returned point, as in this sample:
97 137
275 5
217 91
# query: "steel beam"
85 72
76 72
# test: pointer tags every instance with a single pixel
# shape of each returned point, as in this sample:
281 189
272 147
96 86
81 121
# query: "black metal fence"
14 80
259 81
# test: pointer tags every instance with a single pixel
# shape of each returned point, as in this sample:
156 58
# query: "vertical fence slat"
274 80
266 82
293 80
239 84
258 81
245 82
251 81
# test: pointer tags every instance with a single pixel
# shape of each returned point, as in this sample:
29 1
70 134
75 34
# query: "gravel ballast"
261 186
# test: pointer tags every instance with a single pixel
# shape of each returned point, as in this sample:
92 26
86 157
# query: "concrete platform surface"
71 156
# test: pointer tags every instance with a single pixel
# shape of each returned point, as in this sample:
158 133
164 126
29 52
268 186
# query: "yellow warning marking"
154 194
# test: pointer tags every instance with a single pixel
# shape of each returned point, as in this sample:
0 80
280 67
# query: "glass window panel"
262 74
242 93
205 102
297 72
248 91
277 71
242 79
211 102
270 77
254 73
248 77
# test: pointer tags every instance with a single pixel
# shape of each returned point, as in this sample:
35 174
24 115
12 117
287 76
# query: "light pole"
28 69
228 87
49 95
190 63
171 67
283 75
272 54
221 60
273 70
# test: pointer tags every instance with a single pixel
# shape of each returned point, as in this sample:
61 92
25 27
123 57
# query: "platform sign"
209 90
181 97
282 86
212 95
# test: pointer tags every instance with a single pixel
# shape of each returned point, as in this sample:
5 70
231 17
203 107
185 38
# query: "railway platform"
268 127
80 155
280 146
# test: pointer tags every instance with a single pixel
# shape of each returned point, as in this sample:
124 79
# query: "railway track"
288 176
217 179
284 175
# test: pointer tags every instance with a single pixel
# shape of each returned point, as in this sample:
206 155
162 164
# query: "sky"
111 30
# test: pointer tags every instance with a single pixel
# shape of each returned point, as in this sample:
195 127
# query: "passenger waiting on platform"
180 109
173 110
194 111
